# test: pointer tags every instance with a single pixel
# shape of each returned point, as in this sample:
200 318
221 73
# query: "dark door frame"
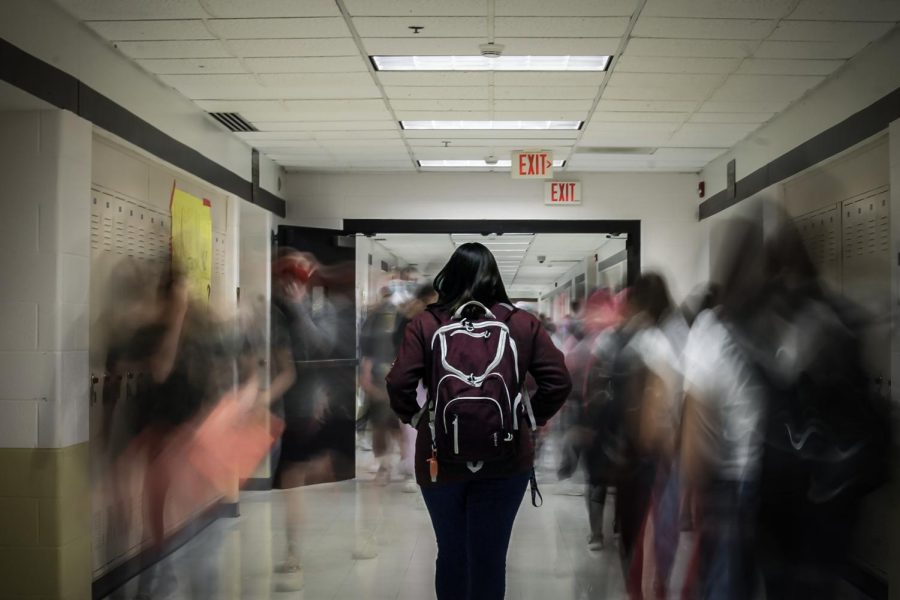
631 227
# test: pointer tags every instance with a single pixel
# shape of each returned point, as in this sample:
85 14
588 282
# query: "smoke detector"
491 50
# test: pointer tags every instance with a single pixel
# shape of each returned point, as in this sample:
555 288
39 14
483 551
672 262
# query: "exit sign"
532 165
562 192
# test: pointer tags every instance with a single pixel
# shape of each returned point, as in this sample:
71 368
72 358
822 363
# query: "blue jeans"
472 522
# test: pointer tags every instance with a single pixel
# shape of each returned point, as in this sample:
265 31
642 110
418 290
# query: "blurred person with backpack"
474 449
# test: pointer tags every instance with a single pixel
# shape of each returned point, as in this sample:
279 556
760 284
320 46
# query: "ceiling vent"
614 150
233 121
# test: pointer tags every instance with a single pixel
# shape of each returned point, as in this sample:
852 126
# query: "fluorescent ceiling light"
503 163
495 125
483 63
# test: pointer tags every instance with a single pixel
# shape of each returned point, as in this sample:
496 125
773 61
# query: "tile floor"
235 558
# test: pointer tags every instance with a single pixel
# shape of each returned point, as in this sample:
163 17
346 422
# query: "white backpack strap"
526 398
459 311
475 466
418 416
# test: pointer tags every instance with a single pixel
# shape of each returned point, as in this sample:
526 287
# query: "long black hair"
470 274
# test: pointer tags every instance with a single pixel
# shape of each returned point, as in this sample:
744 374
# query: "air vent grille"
233 121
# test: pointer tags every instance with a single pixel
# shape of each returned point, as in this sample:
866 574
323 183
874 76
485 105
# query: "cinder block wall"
45 534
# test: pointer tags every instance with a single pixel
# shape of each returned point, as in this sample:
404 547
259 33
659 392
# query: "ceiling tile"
688 154
646 105
404 8
559 114
446 104
192 66
719 29
705 135
808 50
174 49
732 117
398 27
842 10
433 92
563 8
624 139
548 79
313 64
829 31
271 8
246 87
748 88
665 80
601 116
559 46
315 79
664 64
286 28
559 26
294 47
596 128
682 47
550 92
755 107
101 10
718 9
422 46
151 30
583 105
774 66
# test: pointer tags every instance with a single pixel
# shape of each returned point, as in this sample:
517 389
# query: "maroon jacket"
538 356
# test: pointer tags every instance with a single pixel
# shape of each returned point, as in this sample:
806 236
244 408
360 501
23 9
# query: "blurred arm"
548 367
406 372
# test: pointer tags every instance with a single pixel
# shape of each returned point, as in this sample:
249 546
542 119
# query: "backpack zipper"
456 434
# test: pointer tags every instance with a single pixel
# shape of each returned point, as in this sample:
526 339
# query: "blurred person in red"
589 377
301 330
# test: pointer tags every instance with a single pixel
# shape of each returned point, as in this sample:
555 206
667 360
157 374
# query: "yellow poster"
192 241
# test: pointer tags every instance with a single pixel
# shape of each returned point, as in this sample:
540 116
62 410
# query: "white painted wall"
63 42
665 203
45 166
871 75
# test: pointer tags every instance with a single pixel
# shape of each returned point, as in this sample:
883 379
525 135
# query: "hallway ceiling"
516 254
689 78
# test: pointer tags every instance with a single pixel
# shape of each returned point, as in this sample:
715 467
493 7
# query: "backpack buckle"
468 325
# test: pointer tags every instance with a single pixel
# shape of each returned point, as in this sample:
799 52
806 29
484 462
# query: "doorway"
548 267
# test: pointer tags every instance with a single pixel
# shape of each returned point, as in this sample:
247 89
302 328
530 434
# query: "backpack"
827 434
475 393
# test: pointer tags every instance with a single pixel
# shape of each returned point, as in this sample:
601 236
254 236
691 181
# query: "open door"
328 371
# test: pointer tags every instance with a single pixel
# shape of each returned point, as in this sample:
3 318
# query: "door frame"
631 227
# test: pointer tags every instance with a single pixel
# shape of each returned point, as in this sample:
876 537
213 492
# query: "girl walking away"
474 450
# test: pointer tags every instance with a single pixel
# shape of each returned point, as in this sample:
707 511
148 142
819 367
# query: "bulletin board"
192 241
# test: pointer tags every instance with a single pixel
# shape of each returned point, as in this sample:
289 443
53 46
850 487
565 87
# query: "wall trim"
854 129
65 91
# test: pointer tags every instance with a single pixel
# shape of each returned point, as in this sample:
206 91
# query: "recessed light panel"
495 125
485 63
503 163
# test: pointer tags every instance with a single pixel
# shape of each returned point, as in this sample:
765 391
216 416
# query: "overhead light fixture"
490 63
494 125
462 164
